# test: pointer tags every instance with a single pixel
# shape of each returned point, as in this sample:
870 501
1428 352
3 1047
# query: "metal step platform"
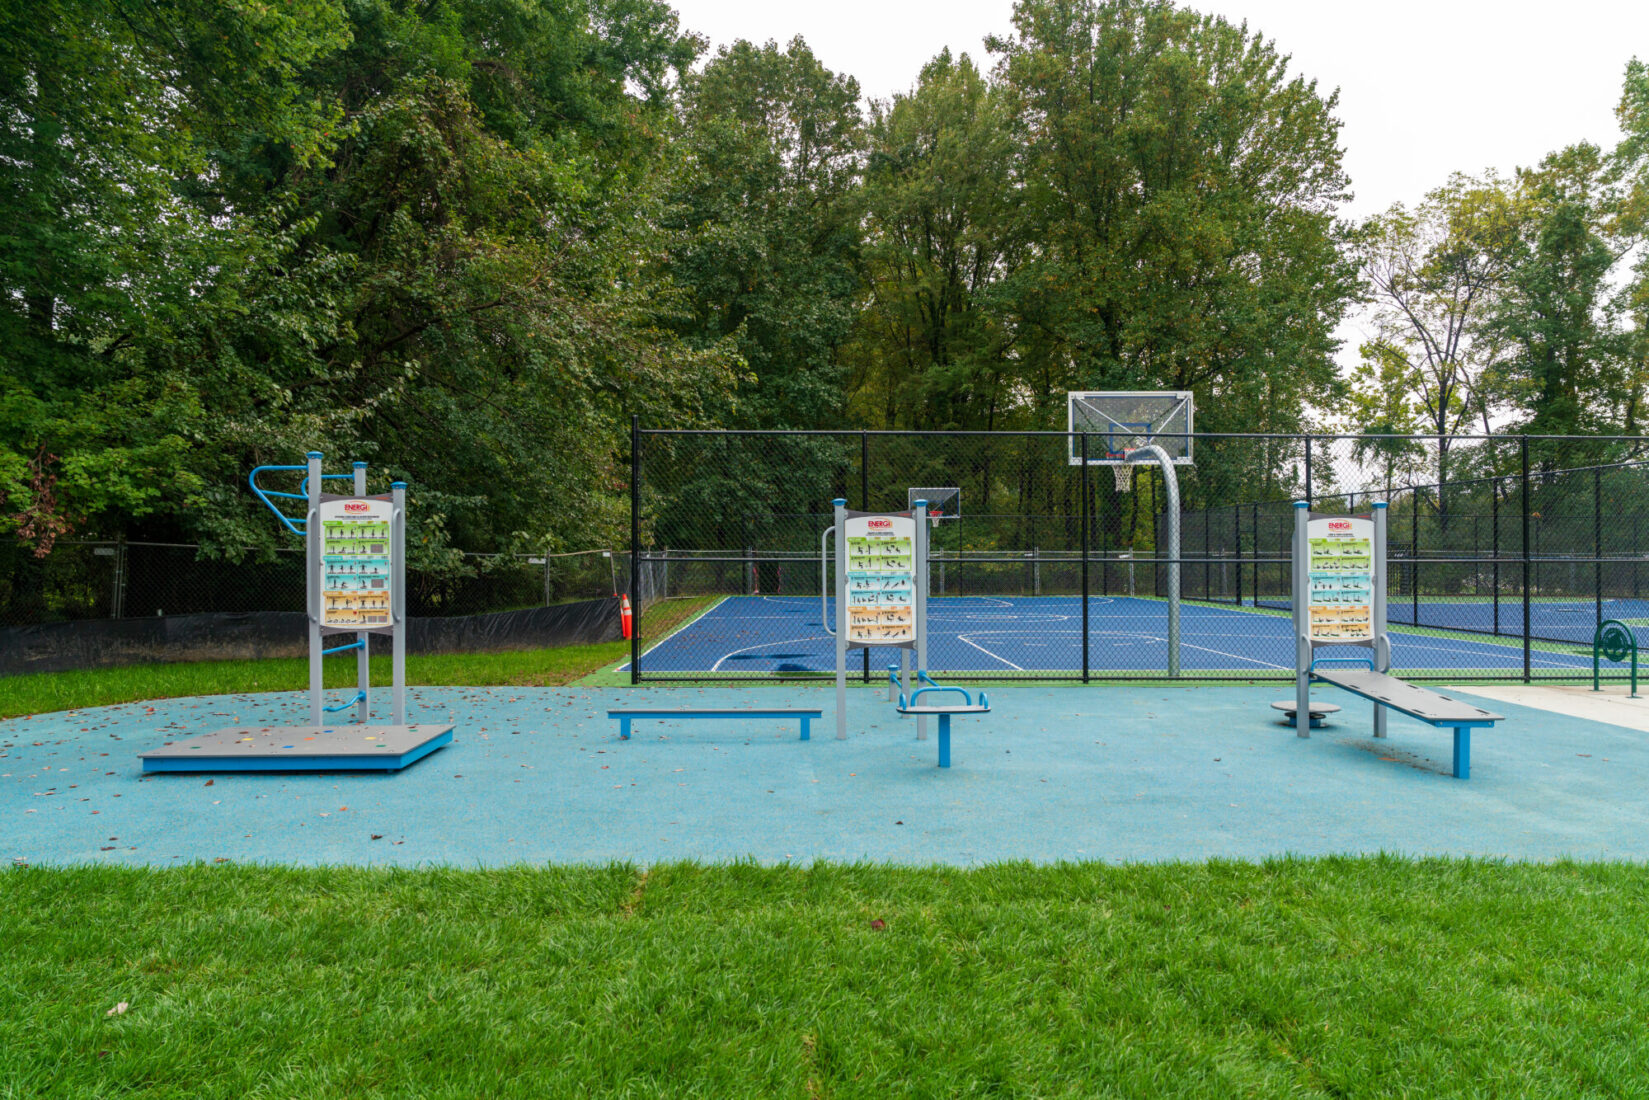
345 747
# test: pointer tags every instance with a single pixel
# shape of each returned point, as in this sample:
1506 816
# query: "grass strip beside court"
1340 977
53 691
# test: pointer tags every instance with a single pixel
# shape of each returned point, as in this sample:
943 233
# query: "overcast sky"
1426 88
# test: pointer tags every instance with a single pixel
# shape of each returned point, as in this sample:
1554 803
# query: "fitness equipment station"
1339 600
355 565
881 600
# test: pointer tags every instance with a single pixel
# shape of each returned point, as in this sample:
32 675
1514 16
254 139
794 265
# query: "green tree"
933 348
435 244
111 115
1559 371
1180 187
767 202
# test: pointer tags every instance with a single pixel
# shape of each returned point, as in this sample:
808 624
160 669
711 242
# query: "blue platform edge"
298 763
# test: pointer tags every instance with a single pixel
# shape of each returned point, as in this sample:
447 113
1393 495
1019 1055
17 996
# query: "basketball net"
1125 477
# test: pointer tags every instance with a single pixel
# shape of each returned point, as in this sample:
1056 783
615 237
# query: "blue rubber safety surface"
768 634
1113 772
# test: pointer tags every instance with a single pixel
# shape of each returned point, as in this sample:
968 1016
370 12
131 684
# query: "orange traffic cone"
625 617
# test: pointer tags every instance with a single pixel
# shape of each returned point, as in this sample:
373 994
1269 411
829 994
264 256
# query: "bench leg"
805 720
1462 752
944 740
624 727
1379 720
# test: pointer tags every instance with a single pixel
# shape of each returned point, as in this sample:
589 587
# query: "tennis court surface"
1007 636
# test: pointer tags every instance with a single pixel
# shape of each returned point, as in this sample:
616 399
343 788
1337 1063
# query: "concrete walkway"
1612 704
1055 773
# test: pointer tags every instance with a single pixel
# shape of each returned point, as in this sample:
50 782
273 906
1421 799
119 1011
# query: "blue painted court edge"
1054 773
767 634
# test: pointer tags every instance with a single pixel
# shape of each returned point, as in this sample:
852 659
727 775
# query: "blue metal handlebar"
264 495
933 686
1369 661
303 489
359 695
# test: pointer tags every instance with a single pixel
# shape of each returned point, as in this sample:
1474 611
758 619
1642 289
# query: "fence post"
1494 543
635 547
1086 517
1527 654
118 608
1236 530
1597 544
1308 473
864 503
1414 558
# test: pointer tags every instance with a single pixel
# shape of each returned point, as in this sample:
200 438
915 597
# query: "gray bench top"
718 712
975 709
1428 706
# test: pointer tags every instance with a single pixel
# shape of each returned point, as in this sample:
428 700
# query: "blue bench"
626 716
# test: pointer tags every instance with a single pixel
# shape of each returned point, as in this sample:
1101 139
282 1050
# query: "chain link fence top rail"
1505 552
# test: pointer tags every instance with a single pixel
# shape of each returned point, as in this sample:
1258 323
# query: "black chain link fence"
1505 553
81 581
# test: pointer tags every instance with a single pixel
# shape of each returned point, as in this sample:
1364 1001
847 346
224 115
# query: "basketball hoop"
1125 477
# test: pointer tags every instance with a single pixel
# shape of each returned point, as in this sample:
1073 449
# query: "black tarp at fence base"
218 636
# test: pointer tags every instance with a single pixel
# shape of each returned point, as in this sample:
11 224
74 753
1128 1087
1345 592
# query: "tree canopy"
467 240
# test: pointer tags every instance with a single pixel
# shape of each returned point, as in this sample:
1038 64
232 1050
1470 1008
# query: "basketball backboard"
943 503
1119 422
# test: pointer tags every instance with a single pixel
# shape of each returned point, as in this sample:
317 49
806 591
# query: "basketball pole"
1170 482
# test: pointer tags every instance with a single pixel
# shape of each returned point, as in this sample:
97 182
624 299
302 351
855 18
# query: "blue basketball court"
758 635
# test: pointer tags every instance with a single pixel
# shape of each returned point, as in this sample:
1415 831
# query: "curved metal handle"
824 579
264 495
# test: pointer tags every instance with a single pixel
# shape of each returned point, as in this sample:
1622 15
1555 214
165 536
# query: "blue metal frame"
264 495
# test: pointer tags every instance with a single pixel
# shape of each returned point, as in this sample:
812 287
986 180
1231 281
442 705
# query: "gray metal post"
398 600
1300 592
363 667
1170 483
907 687
841 618
312 538
1087 518
919 512
1382 643
635 548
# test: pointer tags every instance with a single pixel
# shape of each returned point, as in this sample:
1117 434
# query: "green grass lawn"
50 691
1331 978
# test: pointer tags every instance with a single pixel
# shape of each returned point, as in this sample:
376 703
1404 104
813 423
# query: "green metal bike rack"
1617 642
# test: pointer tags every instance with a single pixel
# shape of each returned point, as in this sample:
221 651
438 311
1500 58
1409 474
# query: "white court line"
965 640
1119 634
787 641
1189 645
625 667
